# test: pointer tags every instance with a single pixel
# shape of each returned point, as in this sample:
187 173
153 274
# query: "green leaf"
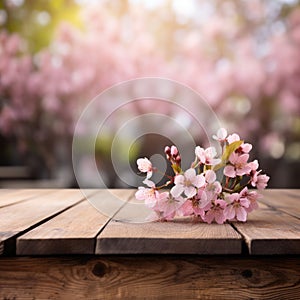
176 168
230 149
226 154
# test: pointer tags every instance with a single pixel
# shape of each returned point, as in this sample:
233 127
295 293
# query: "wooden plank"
150 277
16 219
293 192
111 201
15 196
176 237
181 236
6 191
269 232
287 201
72 232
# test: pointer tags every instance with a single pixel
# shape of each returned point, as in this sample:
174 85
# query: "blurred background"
243 56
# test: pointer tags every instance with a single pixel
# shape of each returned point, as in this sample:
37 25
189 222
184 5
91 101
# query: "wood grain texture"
24 215
150 277
10 197
285 200
4 191
293 192
110 201
178 236
269 231
71 232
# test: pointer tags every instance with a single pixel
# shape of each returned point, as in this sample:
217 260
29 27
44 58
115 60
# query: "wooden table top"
63 222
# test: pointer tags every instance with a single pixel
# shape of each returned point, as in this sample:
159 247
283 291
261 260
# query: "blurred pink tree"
243 57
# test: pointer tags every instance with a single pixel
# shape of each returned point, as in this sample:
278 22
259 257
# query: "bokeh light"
55 56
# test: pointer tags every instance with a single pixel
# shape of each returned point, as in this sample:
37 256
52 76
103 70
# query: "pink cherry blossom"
147 194
221 135
186 208
244 148
233 138
154 216
210 176
211 190
253 165
168 205
271 66
152 202
151 196
207 156
198 211
188 183
149 183
252 196
260 181
203 199
145 166
236 208
202 195
216 212
239 165
191 207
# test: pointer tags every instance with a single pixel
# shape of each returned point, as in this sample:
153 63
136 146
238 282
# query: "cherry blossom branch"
197 192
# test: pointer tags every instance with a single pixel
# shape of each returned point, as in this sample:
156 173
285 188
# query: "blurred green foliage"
36 21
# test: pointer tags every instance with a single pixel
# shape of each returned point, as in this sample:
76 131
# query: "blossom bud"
168 150
174 151
178 159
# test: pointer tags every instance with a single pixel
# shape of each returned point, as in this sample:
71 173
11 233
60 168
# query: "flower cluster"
197 192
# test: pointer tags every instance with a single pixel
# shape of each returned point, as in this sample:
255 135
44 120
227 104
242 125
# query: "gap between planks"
267 231
181 236
270 232
73 231
25 215
283 200
278 243
17 196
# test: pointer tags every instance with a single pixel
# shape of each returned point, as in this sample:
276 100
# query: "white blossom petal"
241 214
211 152
179 179
177 190
144 164
229 212
200 153
222 133
215 161
210 176
190 174
149 183
233 138
229 171
190 191
198 181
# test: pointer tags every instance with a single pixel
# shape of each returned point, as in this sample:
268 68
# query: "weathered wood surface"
45 222
71 232
268 231
180 236
63 221
285 200
25 215
150 277
9 197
